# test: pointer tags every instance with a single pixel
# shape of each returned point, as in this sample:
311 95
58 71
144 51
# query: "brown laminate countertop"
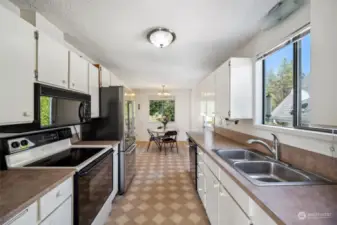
108 142
281 203
19 188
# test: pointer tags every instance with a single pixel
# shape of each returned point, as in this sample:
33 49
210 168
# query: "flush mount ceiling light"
161 37
163 92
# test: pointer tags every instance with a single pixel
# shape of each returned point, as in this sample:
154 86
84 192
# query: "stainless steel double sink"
265 171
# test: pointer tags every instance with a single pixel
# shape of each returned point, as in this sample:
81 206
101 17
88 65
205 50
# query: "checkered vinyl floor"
161 193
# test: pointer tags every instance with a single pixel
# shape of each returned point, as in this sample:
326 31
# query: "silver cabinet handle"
17 217
63 81
199 153
215 184
73 84
200 174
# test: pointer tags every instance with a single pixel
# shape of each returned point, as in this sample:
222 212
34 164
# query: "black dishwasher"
193 161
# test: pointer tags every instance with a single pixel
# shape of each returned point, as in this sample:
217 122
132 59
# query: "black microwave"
55 107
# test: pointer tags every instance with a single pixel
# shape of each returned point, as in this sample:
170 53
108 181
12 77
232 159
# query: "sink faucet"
274 149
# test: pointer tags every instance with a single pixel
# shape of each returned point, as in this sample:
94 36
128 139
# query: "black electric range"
71 157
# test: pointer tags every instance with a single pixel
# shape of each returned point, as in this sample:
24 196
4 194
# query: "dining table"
162 131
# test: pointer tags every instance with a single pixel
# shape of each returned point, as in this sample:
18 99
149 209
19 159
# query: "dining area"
165 139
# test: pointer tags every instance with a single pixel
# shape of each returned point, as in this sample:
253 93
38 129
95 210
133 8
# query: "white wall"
10 6
182 113
312 141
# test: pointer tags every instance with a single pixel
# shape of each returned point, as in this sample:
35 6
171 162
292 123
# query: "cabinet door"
26 217
17 67
52 61
78 73
62 215
231 213
241 88
94 90
201 185
212 186
210 98
222 89
105 77
203 98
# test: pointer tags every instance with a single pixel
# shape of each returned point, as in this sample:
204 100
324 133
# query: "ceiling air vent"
280 12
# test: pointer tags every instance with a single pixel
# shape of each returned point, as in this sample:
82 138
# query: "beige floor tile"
161 193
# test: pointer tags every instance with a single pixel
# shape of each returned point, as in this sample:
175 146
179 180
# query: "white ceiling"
113 32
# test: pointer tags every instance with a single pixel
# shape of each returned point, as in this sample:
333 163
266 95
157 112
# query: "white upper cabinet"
52 61
105 77
78 73
94 90
17 67
234 89
323 77
221 81
207 96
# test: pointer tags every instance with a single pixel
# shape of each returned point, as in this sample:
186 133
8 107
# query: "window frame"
162 99
295 41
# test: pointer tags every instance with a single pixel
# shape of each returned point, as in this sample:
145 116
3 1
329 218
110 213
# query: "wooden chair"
154 139
170 140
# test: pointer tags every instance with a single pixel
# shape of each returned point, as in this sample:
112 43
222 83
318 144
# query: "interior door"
52 61
17 65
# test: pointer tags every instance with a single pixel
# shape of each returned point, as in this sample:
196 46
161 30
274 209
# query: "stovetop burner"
71 157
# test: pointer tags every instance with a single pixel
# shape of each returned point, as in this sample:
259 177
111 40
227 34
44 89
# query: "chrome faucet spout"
274 149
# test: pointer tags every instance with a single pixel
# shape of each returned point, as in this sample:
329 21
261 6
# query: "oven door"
129 166
94 186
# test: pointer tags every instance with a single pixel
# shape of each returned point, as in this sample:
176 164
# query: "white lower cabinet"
53 208
27 216
224 200
229 212
62 215
259 216
201 186
212 190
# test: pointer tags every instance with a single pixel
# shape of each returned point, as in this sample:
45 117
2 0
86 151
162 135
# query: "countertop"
19 188
281 203
108 142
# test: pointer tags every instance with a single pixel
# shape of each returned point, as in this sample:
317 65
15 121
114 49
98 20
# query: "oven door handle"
132 149
98 160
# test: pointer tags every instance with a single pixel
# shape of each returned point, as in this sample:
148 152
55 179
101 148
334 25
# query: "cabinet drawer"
55 197
27 216
258 216
211 165
235 190
61 216
200 154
